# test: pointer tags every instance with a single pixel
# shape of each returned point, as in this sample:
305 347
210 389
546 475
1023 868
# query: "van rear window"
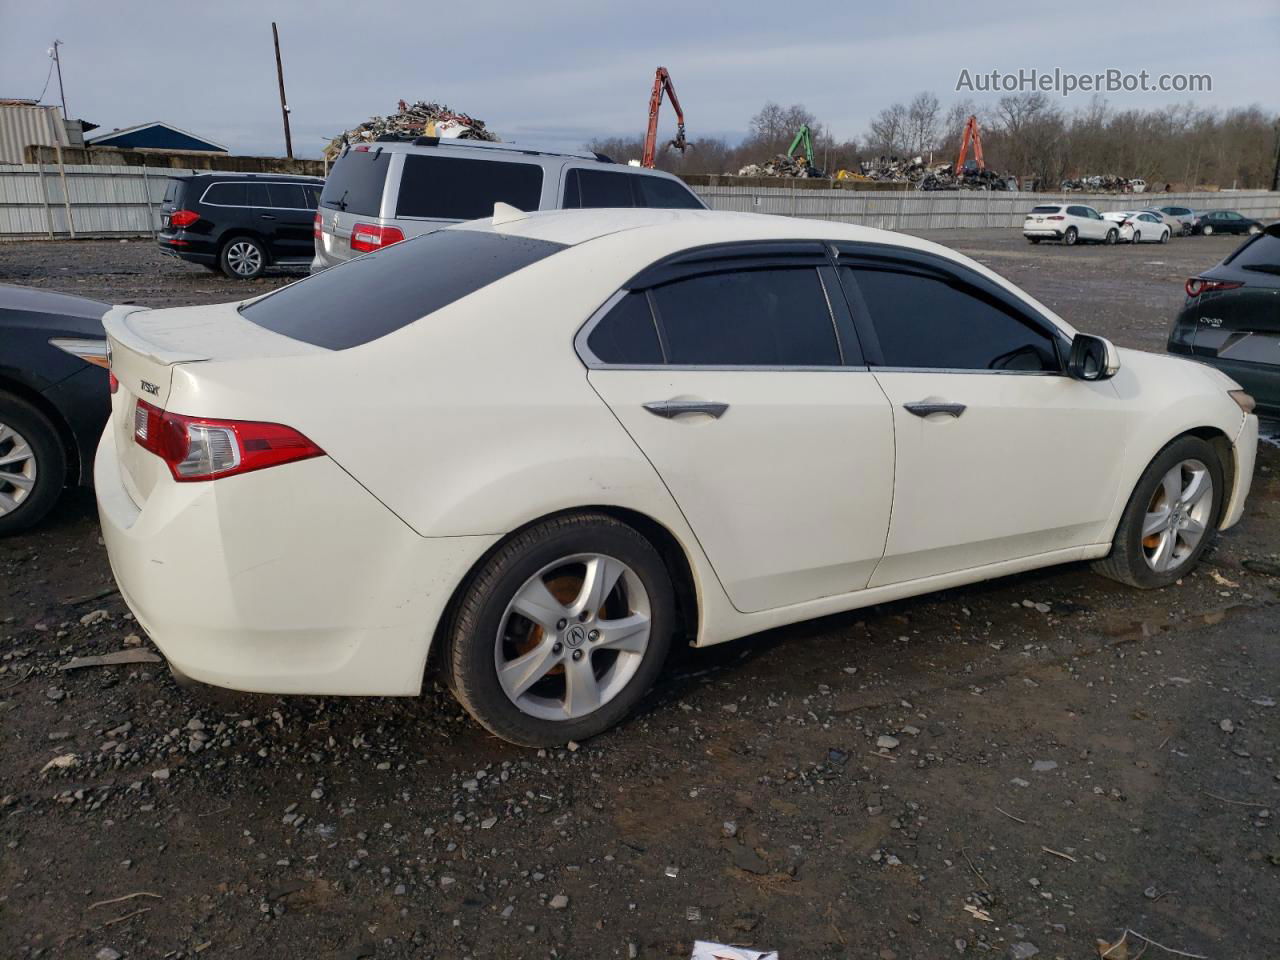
371 296
355 182
456 188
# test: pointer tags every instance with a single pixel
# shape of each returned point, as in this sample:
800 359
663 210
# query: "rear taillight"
1198 285
1056 216
317 226
183 218
197 448
368 236
112 383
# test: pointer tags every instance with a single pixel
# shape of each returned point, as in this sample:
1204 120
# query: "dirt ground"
1074 759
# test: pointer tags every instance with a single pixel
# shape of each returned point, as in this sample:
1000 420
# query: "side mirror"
1092 358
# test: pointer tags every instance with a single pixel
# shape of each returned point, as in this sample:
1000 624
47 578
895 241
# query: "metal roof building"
155 136
25 122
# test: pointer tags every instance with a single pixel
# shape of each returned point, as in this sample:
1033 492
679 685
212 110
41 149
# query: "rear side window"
257 195
627 333
597 188
926 322
453 188
769 317
371 296
287 195
225 195
355 182
661 192
312 192
1045 209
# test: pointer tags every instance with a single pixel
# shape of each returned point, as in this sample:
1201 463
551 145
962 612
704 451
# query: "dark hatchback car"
1231 319
240 223
1224 221
54 398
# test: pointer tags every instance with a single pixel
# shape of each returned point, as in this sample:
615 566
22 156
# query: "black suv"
240 223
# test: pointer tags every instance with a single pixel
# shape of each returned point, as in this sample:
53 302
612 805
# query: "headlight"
1243 400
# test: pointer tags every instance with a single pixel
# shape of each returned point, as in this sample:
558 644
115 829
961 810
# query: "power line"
47 77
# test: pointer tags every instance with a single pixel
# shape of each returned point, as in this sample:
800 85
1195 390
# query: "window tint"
171 191
767 317
1045 209
288 195
312 191
1077 211
371 296
453 188
597 188
355 182
257 195
627 333
661 192
922 321
225 194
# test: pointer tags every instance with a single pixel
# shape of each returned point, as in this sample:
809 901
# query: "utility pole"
1275 177
53 52
284 104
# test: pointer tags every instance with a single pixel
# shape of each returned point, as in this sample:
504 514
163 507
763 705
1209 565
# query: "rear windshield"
1045 209
1261 253
355 182
371 296
455 188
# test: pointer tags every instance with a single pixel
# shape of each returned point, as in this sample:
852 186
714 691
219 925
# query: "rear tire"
1164 237
33 465
1153 547
242 258
588 659
1070 237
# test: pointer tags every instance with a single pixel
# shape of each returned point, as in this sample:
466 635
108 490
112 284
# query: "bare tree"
922 122
888 133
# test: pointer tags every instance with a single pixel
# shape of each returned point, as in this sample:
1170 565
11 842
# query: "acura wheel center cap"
575 636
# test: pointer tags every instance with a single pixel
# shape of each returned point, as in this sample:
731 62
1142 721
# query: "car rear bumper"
293 579
1042 233
194 249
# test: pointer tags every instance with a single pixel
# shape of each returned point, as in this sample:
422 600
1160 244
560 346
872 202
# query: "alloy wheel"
573 636
1177 516
244 258
18 469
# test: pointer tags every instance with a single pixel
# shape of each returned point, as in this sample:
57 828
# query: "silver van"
390 190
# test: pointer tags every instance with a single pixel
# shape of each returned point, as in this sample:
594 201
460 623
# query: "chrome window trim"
253 206
969 370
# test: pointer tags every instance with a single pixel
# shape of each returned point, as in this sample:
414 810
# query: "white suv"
1070 224
381 193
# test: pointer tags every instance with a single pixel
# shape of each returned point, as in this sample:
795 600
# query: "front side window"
257 195
457 188
665 194
771 317
287 195
927 322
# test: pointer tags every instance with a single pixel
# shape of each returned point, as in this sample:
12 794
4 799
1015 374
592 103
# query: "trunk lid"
145 347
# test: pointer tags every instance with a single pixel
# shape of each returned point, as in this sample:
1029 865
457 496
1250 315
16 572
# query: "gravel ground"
1014 769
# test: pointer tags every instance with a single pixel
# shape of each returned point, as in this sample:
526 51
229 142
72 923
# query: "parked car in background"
554 443
1231 318
1224 221
53 398
1140 226
381 193
1068 223
239 223
1170 221
1185 216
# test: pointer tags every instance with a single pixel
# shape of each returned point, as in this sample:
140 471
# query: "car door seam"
893 485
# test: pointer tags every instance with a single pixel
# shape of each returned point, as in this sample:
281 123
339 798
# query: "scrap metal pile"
418 119
1105 184
936 176
781 166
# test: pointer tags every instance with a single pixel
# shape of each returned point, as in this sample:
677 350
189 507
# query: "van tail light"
198 448
1056 216
317 226
183 218
367 236
1198 285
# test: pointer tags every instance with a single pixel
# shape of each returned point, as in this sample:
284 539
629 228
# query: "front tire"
562 631
1254 229
33 465
1071 236
1207 230
1164 237
242 258
1170 518
1112 237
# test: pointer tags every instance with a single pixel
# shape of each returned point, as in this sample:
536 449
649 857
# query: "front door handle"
265 216
674 408
924 409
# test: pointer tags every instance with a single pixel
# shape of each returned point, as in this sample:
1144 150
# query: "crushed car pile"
422 118
782 166
1104 184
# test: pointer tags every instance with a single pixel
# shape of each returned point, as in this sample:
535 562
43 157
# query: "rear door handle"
265 216
674 408
923 409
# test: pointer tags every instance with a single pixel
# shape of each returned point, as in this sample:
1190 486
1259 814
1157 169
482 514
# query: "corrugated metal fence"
45 200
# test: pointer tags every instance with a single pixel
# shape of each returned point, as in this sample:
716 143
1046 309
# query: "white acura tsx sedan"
542 447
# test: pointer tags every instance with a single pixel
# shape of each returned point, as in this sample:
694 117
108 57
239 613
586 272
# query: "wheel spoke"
1195 490
535 602
518 675
1172 485
19 454
1192 531
629 634
1162 559
5 432
7 503
1156 522
581 689
19 480
601 577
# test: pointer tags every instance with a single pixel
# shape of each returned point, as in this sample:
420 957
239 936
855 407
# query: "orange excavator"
971 135
662 85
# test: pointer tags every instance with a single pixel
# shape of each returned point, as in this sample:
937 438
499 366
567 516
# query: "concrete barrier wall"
48 201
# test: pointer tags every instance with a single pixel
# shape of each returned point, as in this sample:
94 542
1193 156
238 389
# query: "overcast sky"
562 73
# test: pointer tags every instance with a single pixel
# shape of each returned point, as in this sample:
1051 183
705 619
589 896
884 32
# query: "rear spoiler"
116 323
